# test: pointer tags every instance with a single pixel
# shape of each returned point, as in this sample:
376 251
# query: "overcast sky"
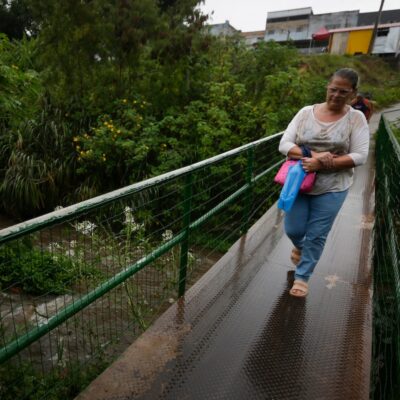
250 15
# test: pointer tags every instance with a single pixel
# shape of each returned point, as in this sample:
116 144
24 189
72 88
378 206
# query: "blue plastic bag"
290 190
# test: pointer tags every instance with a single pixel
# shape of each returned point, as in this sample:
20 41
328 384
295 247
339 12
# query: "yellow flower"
75 139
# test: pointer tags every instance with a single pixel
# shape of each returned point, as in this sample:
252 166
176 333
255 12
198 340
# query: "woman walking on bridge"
338 137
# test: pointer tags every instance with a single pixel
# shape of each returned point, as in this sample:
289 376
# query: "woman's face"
339 93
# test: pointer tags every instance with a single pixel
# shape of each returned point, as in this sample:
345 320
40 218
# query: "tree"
183 5
90 50
16 19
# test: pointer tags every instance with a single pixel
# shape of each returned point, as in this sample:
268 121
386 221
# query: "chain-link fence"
385 382
80 284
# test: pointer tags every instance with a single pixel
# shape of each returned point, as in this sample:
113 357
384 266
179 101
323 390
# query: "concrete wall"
282 31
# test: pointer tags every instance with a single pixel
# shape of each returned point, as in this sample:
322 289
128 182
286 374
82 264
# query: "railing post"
249 192
187 208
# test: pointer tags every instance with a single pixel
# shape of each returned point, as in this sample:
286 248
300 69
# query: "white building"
225 29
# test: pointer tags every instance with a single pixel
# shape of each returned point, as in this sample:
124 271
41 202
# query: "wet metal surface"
238 334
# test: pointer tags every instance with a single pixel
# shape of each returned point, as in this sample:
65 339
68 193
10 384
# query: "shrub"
38 271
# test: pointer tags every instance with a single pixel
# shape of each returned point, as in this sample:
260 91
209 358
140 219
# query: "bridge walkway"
238 334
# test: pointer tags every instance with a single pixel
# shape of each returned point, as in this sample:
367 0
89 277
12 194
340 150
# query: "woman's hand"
310 164
325 158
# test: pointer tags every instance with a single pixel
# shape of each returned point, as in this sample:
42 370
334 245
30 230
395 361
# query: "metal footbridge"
235 332
238 334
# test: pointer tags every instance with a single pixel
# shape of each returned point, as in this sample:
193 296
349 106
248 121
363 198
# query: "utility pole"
378 18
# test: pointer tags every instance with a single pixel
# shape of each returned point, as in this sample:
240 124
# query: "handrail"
393 139
66 213
52 218
390 111
391 231
36 333
386 327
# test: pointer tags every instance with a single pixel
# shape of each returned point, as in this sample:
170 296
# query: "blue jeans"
308 224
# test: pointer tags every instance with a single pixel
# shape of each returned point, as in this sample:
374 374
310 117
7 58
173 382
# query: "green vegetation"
396 129
96 95
62 382
91 102
385 383
38 271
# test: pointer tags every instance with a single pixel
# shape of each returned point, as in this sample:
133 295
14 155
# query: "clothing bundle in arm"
312 216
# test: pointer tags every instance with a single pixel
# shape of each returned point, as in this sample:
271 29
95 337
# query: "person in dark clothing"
360 104
370 104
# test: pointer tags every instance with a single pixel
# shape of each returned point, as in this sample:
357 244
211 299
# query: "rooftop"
289 13
253 33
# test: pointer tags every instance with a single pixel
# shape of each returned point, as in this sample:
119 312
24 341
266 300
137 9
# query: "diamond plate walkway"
238 334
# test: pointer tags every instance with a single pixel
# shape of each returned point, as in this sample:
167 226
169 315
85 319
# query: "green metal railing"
79 284
385 382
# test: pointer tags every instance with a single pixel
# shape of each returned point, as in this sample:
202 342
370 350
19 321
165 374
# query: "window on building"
299 29
382 32
271 31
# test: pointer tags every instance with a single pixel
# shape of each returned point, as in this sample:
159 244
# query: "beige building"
252 38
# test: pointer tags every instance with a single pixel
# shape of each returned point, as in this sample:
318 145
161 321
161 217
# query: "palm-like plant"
40 164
